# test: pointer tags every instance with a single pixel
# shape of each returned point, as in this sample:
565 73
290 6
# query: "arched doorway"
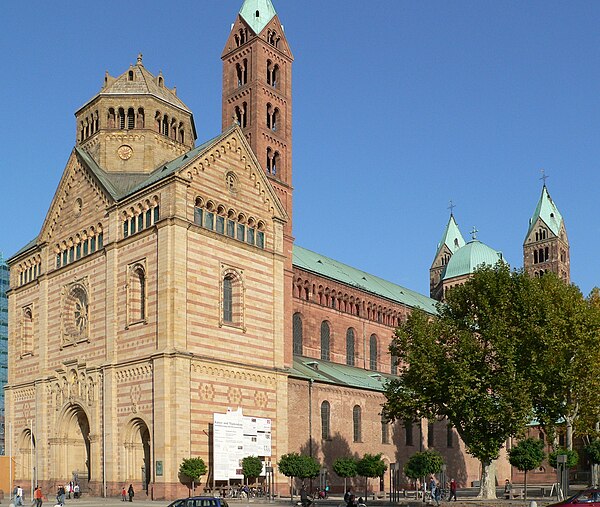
137 453
26 459
72 455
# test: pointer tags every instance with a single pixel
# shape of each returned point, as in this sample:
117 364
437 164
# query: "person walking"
123 494
130 492
38 497
452 490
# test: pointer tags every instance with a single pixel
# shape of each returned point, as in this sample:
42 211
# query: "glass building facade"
4 281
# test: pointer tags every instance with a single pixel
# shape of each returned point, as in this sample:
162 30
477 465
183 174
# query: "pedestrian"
305 500
507 489
130 493
123 494
38 497
347 496
60 495
452 490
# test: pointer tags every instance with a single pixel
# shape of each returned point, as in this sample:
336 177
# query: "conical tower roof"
452 237
547 211
257 13
140 82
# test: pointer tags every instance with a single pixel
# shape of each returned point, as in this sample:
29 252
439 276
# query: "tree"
193 469
422 464
527 455
251 467
593 451
345 467
370 466
562 358
300 466
463 365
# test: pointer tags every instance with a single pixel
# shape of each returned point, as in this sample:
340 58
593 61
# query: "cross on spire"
451 208
474 232
544 177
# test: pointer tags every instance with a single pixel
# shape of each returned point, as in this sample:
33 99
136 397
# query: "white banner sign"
235 437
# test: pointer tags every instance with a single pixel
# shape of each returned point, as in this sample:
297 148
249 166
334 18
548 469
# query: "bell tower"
257 92
257 95
546 246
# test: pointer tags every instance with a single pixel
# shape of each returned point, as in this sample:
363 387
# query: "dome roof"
467 258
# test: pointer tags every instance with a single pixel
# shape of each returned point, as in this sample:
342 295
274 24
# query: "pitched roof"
334 270
452 237
257 13
547 211
338 374
143 83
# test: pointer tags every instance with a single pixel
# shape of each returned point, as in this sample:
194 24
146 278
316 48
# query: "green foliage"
296 465
345 467
193 469
593 450
251 467
371 465
422 464
562 357
527 455
572 457
464 365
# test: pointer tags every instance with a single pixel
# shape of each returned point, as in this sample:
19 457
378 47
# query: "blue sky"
399 107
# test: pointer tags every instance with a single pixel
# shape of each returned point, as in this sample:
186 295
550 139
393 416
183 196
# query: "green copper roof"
469 257
324 266
257 13
338 374
452 237
547 211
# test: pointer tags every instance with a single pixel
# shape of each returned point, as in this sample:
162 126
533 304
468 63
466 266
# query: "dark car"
589 497
199 501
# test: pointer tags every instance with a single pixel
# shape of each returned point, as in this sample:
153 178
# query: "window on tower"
121 118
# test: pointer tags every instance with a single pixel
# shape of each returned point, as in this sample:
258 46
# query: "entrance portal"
72 456
137 453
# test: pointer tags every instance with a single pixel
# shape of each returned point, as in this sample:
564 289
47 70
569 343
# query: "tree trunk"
525 492
487 486
569 436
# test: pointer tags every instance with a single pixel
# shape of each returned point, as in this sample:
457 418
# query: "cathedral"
164 289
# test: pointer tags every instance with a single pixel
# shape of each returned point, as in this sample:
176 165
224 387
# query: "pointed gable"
452 238
257 13
548 213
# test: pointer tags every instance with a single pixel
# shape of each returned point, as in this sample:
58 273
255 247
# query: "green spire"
257 13
452 237
547 211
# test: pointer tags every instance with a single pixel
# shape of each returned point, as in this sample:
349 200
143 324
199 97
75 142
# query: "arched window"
181 133
269 115
325 416
27 331
357 423
111 118
325 339
232 304
275 120
373 352
121 118
275 163
165 125
385 430
228 299
137 294
430 435
130 118
350 347
297 334
408 433
140 118
130 75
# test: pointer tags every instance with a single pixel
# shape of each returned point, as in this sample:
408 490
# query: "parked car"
199 501
590 497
